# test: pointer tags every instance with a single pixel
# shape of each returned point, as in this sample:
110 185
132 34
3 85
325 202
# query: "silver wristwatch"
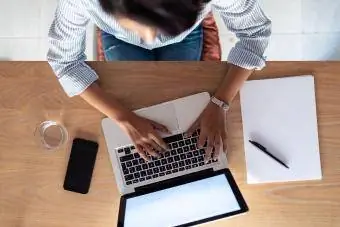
225 106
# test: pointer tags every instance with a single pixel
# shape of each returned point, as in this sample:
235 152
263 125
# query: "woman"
156 30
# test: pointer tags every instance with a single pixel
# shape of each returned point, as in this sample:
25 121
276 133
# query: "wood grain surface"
31 193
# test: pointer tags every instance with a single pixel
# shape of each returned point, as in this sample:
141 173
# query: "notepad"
281 115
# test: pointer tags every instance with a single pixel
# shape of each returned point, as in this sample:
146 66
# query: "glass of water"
51 135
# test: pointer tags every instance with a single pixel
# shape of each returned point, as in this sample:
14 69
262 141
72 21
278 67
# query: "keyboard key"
180 150
141 179
189 155
175 145
181 169
175 165
200 159
126 158
214 160
169 146
194 166
125 171
162 168
127 150
188 167
173 138
128 164
168 172
194 160
148 178
173 152
134 162
181 143
194 140
187 141
181 163
161 174
153 158
202 151
128 177
192 147
138 168
132 169
188 162
201 163
128 182
176 158
155 175
141 161
143 173
183 156
186 149
135 181
168 167
209 162
157 163
151 164
137 175
123 165
170 160
136 156
156 170
174 170
164 162
120 150
196 153
149 172
144 166
167 154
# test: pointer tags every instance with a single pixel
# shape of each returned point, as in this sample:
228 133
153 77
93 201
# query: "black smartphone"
80 166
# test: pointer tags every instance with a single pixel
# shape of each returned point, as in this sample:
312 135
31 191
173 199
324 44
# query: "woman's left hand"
212 124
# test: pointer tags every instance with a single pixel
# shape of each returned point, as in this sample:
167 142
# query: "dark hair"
170 16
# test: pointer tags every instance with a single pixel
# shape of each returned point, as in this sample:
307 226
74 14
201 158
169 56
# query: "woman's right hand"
144 135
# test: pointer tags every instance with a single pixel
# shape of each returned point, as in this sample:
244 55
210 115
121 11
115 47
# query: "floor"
302 30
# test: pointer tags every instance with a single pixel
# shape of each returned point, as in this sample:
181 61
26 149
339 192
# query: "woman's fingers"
210 147
159 127
142 153
217 146
224 141
159 141
202 139
149 149
193 128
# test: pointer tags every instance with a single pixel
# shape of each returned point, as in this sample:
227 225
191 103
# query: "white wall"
24 27
302 30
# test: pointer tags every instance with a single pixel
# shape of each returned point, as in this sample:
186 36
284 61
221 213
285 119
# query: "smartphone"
80 166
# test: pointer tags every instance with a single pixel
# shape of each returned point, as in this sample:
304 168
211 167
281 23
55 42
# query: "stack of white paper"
281 115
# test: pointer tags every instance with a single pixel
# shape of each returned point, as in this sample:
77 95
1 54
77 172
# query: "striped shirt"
66 53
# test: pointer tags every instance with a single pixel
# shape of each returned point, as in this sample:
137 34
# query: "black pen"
262 148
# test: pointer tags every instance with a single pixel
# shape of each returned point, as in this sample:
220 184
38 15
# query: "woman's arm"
143 132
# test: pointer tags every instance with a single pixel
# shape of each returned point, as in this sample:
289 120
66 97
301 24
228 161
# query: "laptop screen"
182 204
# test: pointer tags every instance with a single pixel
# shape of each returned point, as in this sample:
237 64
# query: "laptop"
179 188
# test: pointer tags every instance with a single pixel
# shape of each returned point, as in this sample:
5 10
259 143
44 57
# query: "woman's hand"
144 135
212 124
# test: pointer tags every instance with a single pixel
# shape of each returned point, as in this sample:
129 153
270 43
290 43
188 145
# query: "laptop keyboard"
183 154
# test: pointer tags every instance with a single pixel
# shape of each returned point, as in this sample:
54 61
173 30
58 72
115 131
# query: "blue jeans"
189 49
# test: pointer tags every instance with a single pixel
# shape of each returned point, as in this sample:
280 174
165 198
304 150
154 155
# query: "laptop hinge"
174 181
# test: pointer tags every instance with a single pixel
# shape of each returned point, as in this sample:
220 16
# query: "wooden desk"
31 193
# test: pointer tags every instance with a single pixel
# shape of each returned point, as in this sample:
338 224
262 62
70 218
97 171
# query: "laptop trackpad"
163 113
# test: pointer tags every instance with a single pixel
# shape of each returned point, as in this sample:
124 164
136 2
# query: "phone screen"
80 166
